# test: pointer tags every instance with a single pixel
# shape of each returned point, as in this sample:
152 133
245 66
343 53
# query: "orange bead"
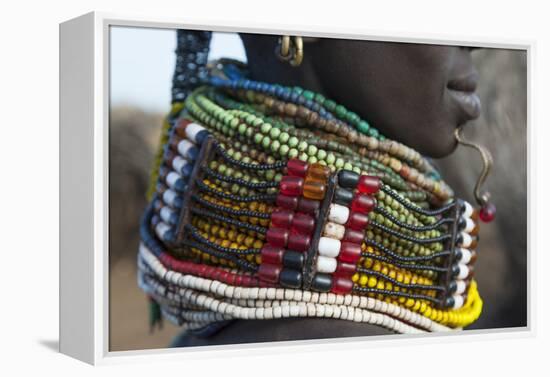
318 172
314 189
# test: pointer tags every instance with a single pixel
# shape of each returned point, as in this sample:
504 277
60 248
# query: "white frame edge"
84 194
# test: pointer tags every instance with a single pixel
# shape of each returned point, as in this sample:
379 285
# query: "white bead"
468 210
166 214
463 271
171 179
466 239
334 230
168 197
326 265
294 311
459 301
466 256
329 247
470 225
183 148
460 287
191 131
338 213
179 163
161 229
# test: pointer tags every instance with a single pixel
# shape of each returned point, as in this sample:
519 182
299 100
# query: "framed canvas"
278 188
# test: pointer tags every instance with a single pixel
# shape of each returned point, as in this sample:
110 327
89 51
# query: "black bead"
452 287
293 259
322 282
455 270
449 302
343 196
457 253
348 179
290 278
461 223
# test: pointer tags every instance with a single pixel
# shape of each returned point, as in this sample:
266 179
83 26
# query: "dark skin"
414 93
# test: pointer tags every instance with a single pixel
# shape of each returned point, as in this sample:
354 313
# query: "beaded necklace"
275 202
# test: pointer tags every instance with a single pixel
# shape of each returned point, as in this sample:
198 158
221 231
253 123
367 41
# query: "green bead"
274 133
275 145
284 137
340 111
303 156
266 141
330 159
293 142
312 150
293 153
265 128
312 160
330 105
321 154
258 138
302 146
308 94
283 150
363 127
339 163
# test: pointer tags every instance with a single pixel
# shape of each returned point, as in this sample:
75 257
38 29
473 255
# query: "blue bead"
178 202
309 104
301 100
272 90
201 136
264 87
187 170
254 85
180 185
192 153
279 91
294 97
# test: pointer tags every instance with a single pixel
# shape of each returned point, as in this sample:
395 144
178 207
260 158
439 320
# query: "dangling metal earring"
488 210
291 51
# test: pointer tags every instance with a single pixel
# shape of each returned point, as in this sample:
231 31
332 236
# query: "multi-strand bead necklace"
275 202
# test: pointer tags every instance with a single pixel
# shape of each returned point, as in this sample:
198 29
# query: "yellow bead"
363 280
372 282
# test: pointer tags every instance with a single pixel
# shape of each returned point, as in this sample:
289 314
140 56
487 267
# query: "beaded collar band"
274 202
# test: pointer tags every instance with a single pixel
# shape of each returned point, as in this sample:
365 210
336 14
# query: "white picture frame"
84 187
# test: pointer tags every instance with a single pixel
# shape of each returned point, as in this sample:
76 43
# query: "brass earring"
290 50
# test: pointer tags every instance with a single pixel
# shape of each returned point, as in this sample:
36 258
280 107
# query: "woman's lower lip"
469 102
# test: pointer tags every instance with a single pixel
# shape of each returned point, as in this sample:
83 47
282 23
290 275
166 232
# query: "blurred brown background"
501 266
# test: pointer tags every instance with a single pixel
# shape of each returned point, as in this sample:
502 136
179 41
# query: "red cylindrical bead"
357 221
302 223
292 186
345 269
354 236
362 203
181 125
487 213
281 218
272 255
308 206
296 168
369 184
277 236
287 202
349 252
269 272
341 286
298 242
